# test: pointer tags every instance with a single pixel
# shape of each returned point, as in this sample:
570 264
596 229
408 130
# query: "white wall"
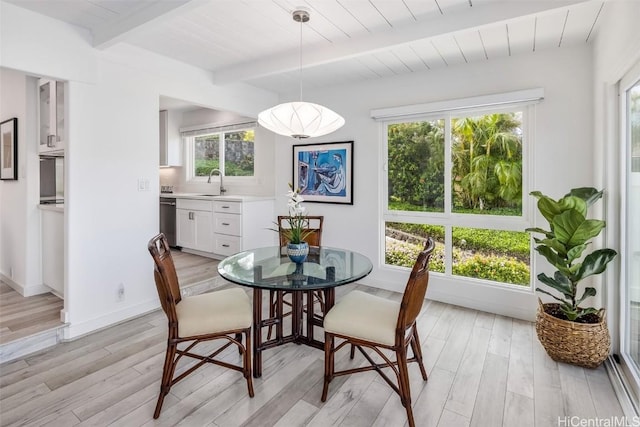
19 216
113 141
563 152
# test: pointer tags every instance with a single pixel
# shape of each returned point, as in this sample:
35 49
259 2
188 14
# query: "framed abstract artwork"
9 149
324 172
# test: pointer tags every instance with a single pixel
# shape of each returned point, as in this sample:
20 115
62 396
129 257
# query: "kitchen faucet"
222 189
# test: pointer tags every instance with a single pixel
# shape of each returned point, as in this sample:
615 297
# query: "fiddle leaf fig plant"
564 246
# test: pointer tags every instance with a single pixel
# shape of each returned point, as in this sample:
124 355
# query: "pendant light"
300 119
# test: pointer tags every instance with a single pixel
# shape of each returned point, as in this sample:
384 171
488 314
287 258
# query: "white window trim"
408 112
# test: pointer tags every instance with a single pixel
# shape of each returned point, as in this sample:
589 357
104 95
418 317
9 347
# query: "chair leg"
352 352
328 364
417 352
403 379
246 359
167 376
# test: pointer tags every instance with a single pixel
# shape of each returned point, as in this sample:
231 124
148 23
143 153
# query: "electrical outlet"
121 292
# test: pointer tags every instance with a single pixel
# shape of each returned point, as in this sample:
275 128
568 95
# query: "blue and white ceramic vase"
298 252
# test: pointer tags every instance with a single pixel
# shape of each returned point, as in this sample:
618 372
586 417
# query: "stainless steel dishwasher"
168 219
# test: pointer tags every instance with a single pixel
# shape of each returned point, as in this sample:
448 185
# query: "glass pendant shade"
300 119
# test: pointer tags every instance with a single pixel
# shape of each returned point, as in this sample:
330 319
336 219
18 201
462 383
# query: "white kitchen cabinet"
194 224
235 224
53 250
51 112
227 227
242 225
170 141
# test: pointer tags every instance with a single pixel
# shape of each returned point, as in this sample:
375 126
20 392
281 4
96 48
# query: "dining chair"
314 239
225 315
364 320
313 229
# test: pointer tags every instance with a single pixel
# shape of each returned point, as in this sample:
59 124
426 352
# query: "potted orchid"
296 227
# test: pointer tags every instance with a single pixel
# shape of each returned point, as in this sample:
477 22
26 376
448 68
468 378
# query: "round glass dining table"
316 278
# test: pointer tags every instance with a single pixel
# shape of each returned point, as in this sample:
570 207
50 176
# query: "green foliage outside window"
204 166
501 269
486 155
497 268
416 165
238 152
500 256
404 254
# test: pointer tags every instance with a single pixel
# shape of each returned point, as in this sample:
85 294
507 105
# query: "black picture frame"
324 172
9 149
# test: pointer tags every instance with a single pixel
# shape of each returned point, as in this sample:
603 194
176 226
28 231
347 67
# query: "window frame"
189 144
449 219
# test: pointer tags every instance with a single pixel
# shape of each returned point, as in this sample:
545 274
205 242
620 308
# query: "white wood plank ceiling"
257 41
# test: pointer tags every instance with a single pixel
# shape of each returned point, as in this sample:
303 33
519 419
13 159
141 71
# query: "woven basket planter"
582 344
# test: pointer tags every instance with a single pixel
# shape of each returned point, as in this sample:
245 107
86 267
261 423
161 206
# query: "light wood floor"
21 317
484 370
24 316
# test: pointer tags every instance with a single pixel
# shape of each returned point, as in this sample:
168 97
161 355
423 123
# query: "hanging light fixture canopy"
300 119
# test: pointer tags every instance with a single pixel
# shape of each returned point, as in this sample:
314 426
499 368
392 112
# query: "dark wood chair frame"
169 292
410 307
314 239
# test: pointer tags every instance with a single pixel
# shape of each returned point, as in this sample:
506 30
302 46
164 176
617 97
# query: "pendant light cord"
300 59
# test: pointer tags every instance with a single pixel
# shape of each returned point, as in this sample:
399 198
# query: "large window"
230 152
459 179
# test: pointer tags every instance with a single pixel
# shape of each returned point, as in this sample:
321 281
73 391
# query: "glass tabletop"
270 268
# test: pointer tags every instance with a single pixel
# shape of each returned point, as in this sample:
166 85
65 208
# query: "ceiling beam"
108 35
455 19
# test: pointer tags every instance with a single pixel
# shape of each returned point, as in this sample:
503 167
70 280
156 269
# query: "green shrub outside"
513 243
496 268
204 166
398 205
243 168
492 267
404 254
436 232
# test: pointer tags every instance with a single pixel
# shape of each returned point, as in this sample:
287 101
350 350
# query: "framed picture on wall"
324 172
9 149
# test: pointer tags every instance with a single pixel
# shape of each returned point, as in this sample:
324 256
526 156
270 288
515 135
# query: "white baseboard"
204 254
79 329
25 291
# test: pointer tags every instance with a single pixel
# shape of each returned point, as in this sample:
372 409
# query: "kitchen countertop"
230 198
